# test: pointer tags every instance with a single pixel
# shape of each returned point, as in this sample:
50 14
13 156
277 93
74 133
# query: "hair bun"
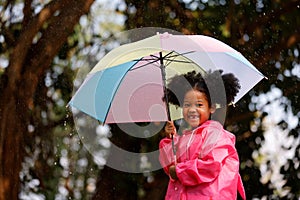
209 83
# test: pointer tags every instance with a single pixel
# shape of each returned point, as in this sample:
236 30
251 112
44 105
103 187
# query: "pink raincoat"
207 164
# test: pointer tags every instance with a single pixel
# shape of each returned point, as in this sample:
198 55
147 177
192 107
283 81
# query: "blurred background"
48 46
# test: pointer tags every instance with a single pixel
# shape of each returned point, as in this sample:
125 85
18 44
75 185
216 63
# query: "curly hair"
219 89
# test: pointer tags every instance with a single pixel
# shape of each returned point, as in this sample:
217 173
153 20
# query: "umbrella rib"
144 64
174 58
179 61
181 54
117 88
168 57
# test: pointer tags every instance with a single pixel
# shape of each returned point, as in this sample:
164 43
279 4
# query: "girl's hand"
172 172
170 129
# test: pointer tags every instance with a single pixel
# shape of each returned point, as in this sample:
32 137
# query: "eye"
199 104
186 105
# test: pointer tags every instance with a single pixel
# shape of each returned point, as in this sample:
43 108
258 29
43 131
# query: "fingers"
172 171
170 129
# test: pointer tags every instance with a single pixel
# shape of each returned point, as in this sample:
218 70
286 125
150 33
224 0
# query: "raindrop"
122 6
62 190
150 179
201 6
280 77
258 140
66 141
296 70
102 130
64 162
277 65
296 53
99 160
33 183
246 37
237 2
251 106
43 114
64 152
83 162
105 142
287 73
222 2
172 15
30 128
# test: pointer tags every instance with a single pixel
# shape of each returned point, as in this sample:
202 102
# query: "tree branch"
24 42
27 12
43 52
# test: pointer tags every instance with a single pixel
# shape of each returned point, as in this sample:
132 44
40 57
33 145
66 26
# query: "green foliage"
266 32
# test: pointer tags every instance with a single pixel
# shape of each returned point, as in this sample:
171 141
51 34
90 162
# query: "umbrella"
127 85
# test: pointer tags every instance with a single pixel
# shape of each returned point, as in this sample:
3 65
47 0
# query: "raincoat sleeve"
166 155
197 171
216 152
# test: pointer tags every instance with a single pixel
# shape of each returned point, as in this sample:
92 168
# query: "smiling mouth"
193 117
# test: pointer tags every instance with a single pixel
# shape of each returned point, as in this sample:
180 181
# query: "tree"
33 42
267 33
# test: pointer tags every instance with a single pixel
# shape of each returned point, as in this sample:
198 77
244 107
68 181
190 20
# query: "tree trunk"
12 143
28 63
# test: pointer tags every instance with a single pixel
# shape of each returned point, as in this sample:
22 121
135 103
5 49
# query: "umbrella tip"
218 105
164 35
232 104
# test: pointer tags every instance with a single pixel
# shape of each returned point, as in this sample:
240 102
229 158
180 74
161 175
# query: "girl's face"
196 108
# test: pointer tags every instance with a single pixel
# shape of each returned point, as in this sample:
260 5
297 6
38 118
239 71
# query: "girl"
207 163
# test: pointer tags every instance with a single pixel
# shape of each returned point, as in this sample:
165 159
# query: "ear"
213 108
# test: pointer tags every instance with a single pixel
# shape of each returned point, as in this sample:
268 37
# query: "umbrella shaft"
163 73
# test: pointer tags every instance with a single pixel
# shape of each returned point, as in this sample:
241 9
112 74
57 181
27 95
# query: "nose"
192 109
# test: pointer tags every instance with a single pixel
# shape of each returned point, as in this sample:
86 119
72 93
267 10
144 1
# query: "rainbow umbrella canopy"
129 83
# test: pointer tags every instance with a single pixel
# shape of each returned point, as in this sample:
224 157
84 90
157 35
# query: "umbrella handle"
175 160
174 150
